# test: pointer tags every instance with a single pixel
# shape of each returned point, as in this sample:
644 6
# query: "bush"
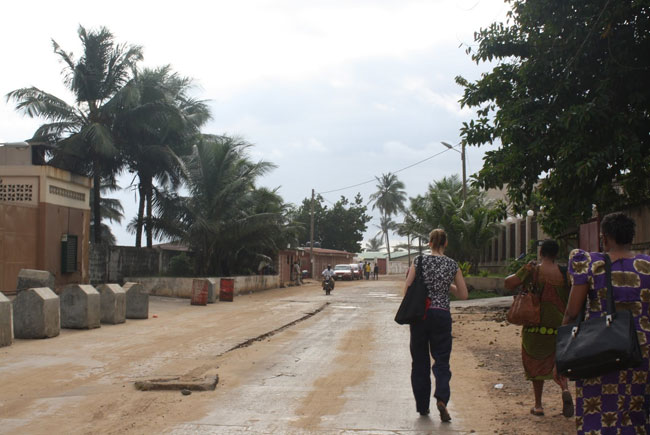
180 265
515 264
465 267
483 273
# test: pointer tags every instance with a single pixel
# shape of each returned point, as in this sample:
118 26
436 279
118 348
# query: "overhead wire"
392 172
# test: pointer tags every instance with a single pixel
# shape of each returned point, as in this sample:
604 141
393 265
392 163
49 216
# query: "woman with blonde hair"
433 332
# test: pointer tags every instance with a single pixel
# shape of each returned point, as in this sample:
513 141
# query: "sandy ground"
355 380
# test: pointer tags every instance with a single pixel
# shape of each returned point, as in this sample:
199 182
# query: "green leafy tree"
82 132
568 100
111 210
389 199
340 226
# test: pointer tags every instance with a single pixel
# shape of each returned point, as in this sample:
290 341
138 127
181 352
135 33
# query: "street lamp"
462 157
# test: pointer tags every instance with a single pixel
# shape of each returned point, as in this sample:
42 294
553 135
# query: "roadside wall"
114 263
182 287
480 283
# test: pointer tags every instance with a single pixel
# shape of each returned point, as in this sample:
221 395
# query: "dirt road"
288 360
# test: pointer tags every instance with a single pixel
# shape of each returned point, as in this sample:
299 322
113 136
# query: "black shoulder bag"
594 347
413 305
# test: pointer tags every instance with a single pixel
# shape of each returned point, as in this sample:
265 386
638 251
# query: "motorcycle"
328 284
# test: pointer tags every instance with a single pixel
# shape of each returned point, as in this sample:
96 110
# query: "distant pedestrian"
361 270
376 271
432 334
366 270
297 273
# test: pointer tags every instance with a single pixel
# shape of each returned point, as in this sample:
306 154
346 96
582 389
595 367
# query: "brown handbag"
525 309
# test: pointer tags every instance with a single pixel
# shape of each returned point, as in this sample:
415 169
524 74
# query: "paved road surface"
344 369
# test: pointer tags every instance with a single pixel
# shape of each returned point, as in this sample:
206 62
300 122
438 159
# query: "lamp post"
462 157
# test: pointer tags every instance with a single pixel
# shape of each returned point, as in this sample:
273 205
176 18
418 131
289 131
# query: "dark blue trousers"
433 335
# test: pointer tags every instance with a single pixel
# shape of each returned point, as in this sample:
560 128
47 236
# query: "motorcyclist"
329 273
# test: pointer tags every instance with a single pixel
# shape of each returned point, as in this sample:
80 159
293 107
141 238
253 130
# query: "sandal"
567 404
537 411
444 414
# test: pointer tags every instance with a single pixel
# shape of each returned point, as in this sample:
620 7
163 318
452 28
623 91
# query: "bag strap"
611 306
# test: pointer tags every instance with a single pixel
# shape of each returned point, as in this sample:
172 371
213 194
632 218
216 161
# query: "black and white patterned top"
438 272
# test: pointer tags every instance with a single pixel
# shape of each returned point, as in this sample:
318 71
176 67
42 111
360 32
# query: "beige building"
44 219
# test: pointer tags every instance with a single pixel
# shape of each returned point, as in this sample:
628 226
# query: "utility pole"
462 157
311 237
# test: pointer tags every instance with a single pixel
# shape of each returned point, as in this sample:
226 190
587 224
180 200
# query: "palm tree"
153 131
82 132
389 199
374 244
111 210
386 225
225 218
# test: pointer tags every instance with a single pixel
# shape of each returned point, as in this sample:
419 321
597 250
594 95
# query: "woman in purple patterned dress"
617 402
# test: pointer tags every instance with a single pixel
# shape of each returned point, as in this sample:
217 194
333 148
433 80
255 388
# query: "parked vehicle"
356 272
343 271
328 285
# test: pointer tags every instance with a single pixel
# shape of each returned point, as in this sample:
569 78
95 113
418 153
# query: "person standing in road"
366 270
297 272
616 402
432 334
376 271
549 282
361 270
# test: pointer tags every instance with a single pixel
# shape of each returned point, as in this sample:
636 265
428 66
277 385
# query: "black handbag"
594 347
413 305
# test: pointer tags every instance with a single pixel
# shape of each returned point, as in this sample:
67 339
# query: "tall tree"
225 219
389 199
340 226
82 132
469 223
568 100
386 225
153 130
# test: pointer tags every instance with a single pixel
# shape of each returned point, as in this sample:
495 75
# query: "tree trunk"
97 206
149 226
140 218
388 245
408 247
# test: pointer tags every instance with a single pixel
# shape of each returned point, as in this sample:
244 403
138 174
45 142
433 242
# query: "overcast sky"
333 92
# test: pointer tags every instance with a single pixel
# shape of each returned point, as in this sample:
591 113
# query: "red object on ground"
199 292
226 289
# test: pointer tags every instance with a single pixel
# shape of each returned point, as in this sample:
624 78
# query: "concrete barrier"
80 307
113 303
36 313
6 322
213 290
137 301
182 287
32 278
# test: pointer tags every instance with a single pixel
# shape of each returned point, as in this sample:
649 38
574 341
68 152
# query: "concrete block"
213 290
36 313
6 322
80 307
113 303
137 301
31 278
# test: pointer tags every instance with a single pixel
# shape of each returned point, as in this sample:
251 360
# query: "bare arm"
512 282
409 279
577 299
460 290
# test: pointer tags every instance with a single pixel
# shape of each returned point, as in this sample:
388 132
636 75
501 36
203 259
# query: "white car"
343 271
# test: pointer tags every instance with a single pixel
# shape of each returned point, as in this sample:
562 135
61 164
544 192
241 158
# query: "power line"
393 172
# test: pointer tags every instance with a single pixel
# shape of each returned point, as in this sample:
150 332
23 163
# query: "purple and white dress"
618 402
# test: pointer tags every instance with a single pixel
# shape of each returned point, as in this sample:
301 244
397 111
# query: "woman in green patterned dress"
538 342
